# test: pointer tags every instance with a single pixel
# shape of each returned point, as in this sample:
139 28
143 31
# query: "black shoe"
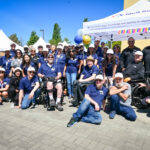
52 102
33 106
74 103
71 122
1 103
59 107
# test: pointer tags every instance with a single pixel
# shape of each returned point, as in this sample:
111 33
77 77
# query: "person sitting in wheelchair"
146 100
135 71
52 72
87 77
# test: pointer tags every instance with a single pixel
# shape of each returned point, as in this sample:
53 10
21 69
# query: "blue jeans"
123 110
87 113
26 101
71 77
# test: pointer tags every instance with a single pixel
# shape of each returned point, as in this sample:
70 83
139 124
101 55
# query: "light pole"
42 30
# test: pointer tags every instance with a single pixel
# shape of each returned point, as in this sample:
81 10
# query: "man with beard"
120 99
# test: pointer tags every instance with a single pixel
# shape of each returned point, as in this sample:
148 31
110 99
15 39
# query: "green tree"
113 43
67 40
56 37
33 38
85 20
14 38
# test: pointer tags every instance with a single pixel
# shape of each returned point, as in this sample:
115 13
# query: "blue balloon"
78 39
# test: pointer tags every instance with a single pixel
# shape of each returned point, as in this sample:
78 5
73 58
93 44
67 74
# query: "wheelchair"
44 97
138 94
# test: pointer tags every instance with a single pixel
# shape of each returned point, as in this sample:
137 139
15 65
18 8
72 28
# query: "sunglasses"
31 72
131 41
98 80
1 71
50 57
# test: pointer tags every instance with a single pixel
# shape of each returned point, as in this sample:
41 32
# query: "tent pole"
111 40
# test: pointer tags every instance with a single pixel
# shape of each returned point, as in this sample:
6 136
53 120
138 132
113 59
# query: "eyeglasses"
1 72
50 57
98 80
31 72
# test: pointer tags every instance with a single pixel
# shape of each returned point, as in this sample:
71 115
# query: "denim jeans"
123 110
87 113
26 101
71 77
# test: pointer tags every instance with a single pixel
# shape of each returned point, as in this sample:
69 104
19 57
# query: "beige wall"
139 43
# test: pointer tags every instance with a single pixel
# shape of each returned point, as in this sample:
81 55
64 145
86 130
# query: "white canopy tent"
5 42
131 22
40 42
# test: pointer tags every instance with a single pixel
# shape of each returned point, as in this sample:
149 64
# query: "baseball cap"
31 69
118 75
138 53
100 77
110 51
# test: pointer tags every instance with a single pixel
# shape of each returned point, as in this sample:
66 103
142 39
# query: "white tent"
5 42
133 21
40 42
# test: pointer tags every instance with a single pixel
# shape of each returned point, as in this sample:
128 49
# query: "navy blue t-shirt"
72 65
98 95
27 85
25 68
99 52
12 53
60 61
42 60
4 82
48 71
6 63
88 72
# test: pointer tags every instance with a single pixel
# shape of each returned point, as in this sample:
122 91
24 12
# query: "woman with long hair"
26 63
109 65
16 62
14 85
70 70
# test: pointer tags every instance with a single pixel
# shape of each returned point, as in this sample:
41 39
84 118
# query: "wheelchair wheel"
137 95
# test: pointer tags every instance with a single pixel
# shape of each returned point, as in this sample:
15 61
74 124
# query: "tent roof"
5 42
40 42
133 21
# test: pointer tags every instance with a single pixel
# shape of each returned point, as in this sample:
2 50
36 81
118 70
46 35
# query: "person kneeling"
120 99
28 89
89 109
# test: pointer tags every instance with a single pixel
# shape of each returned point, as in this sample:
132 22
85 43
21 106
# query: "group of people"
91 77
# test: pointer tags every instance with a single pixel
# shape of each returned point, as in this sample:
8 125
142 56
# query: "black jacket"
146 58
127 56
134 71
14 82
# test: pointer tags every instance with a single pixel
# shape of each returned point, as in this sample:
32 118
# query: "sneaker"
74 103
33 106
59 107
52 103
71 122
112 114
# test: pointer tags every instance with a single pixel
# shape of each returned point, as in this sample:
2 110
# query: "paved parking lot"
38 129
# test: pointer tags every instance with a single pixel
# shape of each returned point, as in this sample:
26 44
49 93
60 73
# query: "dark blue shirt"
72 65
25 68
6 63
13 53
100 59
60 61
98 95
27 85
4 82
42 60
88 72
93 55
48 71
39 54
109 69
99 52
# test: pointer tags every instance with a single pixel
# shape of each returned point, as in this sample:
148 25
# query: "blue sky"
23 16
